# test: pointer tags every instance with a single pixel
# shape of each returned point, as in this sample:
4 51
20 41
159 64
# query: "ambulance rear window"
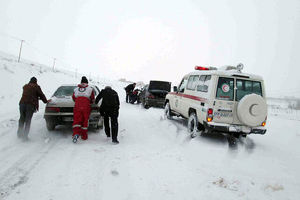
245 87
225 90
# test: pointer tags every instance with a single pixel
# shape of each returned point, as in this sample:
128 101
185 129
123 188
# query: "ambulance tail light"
264 122
209 117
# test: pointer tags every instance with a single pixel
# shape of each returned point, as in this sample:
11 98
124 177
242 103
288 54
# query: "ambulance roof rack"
239 67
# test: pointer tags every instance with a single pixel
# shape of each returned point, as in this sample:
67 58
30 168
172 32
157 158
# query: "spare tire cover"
252 110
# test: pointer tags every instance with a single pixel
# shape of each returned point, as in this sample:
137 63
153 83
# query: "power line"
10 36
37 50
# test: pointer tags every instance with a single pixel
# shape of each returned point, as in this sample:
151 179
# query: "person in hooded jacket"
29 104
83 96
110 109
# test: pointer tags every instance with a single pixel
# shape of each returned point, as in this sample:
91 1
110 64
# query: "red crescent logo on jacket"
83 89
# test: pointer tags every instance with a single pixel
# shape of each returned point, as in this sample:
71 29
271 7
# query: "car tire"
168 111
99 125
146 106
50 124
193 125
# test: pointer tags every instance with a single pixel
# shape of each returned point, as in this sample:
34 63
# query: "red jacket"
83 95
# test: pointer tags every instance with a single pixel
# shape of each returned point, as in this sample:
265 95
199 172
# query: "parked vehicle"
59 110
154 93
226 101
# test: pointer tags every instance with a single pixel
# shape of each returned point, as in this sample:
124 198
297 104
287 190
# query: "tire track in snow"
7 125
18 173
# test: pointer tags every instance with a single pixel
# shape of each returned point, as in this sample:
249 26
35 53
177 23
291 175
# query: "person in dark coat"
129 89
29 104
110 109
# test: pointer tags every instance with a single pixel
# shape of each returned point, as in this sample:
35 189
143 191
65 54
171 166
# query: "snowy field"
156 159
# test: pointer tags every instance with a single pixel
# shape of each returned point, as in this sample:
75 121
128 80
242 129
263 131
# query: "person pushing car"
83 96
29 104
110 109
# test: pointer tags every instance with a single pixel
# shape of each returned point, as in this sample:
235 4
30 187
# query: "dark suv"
154 93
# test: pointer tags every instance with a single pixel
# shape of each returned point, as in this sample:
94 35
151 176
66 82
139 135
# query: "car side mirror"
175 89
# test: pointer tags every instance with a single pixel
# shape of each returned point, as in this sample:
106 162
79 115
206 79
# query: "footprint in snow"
47 140
123 130
114 172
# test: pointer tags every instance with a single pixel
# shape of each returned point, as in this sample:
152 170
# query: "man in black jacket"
110 109
129 89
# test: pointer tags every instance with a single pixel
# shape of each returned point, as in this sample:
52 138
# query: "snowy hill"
14 75
156 158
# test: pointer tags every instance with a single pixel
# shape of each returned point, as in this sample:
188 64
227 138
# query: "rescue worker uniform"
109 109
83 96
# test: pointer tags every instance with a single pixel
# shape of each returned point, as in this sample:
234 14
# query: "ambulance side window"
182 85
192 82
203 83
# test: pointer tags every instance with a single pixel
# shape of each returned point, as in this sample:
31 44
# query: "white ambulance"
220 100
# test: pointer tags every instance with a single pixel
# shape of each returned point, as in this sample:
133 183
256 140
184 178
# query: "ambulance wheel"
193 125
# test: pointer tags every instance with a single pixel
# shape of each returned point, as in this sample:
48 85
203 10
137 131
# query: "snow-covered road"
156 158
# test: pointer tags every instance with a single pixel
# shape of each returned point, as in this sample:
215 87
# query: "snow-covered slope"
14 75
156 159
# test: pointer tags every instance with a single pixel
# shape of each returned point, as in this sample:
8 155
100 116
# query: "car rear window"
160 85
64 91
225 90
245 87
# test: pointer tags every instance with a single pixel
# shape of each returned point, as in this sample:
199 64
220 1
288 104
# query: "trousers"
81 121
112 116
26 113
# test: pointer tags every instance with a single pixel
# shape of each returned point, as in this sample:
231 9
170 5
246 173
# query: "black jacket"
129 88
110 99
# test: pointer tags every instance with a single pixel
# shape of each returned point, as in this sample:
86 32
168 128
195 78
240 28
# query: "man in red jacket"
83 96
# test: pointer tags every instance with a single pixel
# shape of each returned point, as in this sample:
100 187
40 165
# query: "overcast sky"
142 40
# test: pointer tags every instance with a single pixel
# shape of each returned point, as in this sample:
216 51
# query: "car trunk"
62 99
159 89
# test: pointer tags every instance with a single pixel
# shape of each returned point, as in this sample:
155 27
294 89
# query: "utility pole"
53 63
20 50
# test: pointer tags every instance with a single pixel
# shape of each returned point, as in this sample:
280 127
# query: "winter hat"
84 80
108 87
33 80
